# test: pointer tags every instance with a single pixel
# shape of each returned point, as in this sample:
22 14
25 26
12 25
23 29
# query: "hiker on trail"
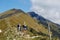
19 27
25 27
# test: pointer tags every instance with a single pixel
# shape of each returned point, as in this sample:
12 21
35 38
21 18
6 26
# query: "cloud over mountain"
50 9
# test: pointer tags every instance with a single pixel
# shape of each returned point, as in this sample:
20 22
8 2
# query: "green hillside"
11 18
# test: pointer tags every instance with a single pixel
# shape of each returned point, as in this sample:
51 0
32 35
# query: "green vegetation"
9 21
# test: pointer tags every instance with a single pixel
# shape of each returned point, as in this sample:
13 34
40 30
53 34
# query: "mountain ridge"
42 20
13 17
14 11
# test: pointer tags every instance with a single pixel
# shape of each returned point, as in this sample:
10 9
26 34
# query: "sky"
19 4
49 9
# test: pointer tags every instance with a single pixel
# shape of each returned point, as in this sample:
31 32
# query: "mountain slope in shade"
13 17
55 28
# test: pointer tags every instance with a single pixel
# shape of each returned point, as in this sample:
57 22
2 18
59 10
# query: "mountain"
11 18
55 28
36 26
38 17
42 19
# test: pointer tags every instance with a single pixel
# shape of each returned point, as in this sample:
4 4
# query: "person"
25 27
19 27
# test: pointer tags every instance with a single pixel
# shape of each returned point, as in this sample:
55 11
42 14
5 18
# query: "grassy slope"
17 18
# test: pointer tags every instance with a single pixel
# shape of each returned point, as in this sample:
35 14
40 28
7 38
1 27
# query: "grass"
20 18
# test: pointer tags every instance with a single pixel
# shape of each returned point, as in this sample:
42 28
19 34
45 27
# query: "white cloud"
50 9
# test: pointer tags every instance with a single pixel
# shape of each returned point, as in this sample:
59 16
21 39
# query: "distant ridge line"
8 15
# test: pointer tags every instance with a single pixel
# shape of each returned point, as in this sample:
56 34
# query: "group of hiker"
21 27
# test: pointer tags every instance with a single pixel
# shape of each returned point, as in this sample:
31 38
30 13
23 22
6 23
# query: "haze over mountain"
41 18
49 9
